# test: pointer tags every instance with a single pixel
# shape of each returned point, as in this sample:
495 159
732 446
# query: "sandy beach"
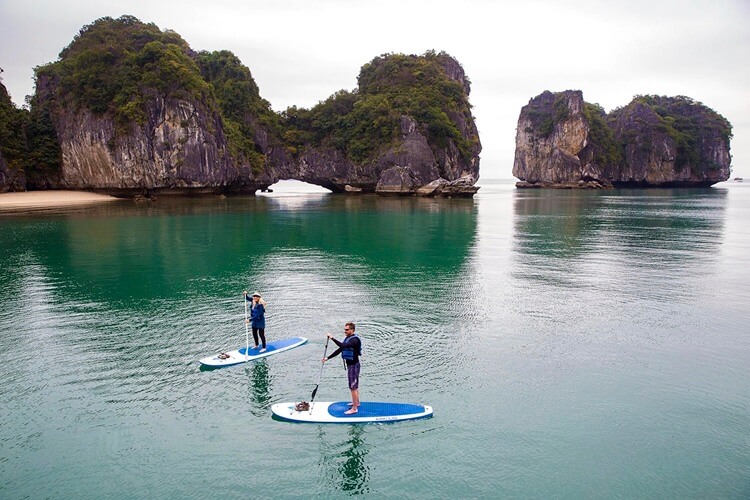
43 199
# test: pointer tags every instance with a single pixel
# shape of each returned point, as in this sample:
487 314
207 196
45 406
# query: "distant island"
564 142
129 109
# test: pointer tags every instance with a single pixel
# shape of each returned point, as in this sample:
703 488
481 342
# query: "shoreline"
50 199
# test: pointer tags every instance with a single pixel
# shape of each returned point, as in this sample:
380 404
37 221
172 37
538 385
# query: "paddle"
247 334
325 350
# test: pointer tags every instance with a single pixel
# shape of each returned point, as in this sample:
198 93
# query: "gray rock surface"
563 142
181 147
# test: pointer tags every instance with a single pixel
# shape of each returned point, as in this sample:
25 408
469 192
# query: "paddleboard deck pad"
238 356
334 412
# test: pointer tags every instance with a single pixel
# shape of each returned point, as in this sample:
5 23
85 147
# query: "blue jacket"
257 315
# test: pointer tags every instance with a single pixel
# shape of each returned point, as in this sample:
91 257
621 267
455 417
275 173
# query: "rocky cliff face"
671 141
563 141
434 169
180 146
135 110
408 155
400 170
551 133
412 166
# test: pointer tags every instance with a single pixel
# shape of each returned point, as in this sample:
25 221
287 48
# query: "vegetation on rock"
13 122
688 122
115 65
118 68
362 122
654 140
242 107
28 142
544 111
607 149
45 157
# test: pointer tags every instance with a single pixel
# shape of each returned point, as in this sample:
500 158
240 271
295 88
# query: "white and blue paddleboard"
238 356
333 413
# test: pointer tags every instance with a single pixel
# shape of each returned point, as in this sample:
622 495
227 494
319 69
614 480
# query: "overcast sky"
302 51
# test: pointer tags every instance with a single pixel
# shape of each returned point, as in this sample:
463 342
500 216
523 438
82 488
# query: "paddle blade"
315 391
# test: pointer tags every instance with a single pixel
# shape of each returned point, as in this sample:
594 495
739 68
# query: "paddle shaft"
325 350
247 334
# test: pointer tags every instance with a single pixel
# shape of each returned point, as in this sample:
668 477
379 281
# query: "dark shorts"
352 372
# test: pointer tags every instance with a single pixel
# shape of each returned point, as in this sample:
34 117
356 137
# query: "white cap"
256 294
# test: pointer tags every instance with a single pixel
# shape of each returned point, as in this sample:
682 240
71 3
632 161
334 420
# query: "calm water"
573 344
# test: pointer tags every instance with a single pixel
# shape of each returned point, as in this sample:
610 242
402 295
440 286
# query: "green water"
573 345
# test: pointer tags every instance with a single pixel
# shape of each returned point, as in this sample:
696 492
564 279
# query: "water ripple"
570 344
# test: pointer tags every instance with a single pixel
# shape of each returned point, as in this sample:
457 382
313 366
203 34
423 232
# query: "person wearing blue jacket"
257 319
350 349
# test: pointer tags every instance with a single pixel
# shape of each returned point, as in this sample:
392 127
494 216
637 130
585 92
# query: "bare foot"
351 411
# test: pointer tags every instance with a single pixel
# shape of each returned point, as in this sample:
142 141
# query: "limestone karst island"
129 110
563 142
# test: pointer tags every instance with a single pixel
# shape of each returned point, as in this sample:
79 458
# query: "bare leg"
355 402
353 376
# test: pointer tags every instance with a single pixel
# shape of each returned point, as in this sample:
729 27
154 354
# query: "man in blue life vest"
351 350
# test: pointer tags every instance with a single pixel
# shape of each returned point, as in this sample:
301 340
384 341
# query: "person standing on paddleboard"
257 319
351 350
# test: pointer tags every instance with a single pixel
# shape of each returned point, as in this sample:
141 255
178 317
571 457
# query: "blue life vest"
348 352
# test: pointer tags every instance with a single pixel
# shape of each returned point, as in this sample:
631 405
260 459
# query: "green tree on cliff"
121 67
13 122
390 86
243 109
115 65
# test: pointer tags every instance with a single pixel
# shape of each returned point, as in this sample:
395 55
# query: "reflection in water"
668 225
260 385
344 464
128 251
302 202
569 224
354 472
617 239
558 344
171 273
